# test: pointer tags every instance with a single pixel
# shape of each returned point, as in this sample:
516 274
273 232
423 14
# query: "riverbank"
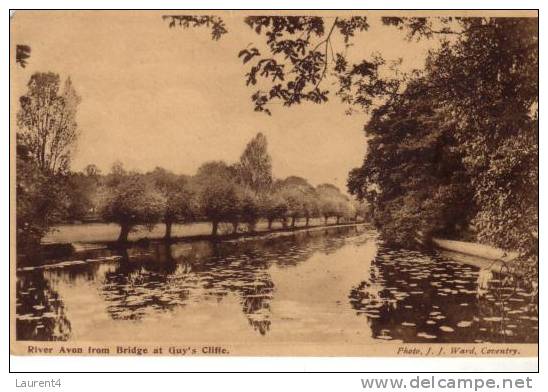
194 232
61 255
109 232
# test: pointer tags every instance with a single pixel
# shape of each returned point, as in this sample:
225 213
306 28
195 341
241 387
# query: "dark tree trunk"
293 219
338 218
325 219
214 228
270 223
284 223
168 230
307 221
124 232
234 227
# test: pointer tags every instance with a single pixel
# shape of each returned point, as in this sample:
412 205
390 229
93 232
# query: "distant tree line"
238 195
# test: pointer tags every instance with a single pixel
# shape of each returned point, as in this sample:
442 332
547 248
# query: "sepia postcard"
274 183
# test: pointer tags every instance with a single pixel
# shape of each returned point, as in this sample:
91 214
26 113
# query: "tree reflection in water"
417 297
40 311
160 276
403 295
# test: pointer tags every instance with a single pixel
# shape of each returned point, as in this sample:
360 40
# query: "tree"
249 208
218 27
22 54
413 173
332 203
47 121
46 134
298 195
361 209
462 137
218 194
131 201
345 210
179 197
117 173
273 206
488 78
40 201
255 166
311 206
81 192
301 51
92 170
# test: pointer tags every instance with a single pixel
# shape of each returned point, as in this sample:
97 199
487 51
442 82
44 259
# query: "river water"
338 285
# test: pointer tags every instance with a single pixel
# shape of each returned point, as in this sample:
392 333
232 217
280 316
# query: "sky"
155 96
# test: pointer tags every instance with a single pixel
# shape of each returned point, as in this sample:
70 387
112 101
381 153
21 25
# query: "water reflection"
327 285
40 310
418 297
160 277
167 276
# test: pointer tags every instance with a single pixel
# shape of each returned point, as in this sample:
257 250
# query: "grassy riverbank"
68 241
106 232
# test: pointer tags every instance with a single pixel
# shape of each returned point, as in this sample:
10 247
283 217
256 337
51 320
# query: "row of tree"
239 194
48 193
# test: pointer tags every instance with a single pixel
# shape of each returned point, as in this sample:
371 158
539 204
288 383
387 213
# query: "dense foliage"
413 175
458 149
40 202
489 80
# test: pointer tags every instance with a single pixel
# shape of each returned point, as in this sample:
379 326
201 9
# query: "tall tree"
413 173
46 135
255 166
475 111
489 80
47 121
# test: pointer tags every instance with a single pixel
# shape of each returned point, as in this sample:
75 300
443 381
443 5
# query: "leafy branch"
217 24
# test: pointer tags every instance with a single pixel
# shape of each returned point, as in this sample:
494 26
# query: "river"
337 285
